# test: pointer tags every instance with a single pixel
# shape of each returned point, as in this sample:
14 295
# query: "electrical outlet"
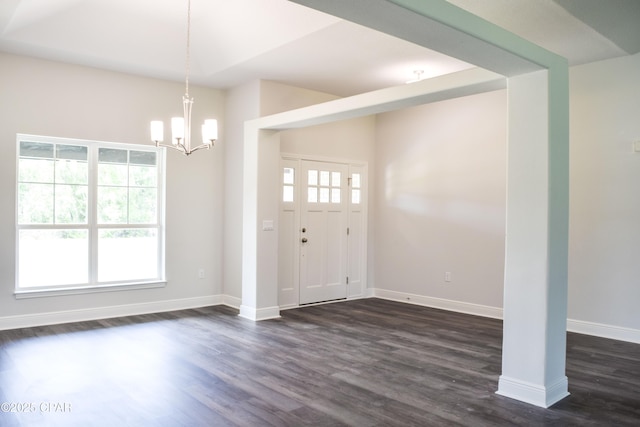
447 276
201 273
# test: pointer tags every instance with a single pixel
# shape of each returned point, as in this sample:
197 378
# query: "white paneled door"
323 231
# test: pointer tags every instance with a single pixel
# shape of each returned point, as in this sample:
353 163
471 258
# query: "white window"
89 214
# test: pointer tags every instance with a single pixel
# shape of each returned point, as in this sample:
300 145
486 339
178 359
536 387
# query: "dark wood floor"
360 363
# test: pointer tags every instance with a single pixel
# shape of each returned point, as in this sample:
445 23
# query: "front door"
323 231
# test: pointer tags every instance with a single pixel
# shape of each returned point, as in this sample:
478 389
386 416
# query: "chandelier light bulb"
157 131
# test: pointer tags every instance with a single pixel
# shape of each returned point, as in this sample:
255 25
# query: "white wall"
604 257
440 191
47 98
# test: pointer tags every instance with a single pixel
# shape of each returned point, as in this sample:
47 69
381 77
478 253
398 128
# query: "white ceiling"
234 41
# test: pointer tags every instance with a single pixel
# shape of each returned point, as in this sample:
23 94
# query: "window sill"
39 293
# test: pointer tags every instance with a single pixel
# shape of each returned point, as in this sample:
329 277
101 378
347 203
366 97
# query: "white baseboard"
257 314
233 302
578 326
604 331
444 304
54 318
534 394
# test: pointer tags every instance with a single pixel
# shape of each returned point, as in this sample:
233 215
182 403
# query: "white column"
535 289
260 207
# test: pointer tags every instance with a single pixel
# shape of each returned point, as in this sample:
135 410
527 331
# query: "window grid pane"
35 203
71 203
36 170
116 249
53 257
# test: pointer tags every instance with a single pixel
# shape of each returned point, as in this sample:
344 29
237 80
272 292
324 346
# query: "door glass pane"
53 257
312 196
355 196
335 195
335 179
287 193
355 180
127 254
324 178
288 176
324 195
313 177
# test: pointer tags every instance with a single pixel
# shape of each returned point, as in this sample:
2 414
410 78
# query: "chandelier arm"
200 147
178 147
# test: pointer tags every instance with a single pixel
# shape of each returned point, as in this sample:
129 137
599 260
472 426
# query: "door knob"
304 240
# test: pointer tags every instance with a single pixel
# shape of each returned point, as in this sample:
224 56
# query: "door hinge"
347 280
347 231
349 182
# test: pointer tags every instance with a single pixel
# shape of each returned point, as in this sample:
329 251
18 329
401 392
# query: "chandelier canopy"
181 126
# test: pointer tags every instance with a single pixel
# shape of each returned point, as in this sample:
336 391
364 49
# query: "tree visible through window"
88 213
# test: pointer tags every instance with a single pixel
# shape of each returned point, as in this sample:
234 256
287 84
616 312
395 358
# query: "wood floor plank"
358 363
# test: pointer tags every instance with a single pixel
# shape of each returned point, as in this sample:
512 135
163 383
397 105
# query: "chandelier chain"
181 126
188 58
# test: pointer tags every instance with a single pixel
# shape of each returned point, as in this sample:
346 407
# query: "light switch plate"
267 225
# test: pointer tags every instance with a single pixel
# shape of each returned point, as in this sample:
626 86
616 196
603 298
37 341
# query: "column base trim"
257 314
533 394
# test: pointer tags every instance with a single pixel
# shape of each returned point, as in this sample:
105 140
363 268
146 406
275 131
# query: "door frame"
289 257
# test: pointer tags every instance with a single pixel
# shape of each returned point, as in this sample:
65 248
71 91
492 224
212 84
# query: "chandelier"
181 126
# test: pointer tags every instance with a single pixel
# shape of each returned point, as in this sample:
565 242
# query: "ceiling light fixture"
417 78
181 126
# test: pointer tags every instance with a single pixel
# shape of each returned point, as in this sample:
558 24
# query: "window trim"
92 225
